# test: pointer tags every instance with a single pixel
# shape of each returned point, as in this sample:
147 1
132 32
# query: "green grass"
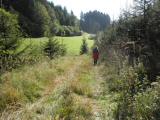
73 44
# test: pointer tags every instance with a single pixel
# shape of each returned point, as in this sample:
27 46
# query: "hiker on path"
95 55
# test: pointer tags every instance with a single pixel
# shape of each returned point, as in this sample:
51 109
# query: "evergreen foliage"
9 32
37 18
84 47
9 40
53 48
42 18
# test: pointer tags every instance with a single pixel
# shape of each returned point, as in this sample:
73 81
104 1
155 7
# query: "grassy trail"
75 94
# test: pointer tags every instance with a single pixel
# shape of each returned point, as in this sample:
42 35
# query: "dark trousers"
95 61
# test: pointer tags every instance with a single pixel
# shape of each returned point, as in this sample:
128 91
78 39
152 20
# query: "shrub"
137 99
84 47
147 104
9 96
53 48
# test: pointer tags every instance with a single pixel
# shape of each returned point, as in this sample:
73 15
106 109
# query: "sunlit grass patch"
73 44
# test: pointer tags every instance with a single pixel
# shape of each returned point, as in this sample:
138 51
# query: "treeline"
39 18
94 21
130 48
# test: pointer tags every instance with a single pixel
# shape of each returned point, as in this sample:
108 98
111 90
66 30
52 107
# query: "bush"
53 48
147 104
138 100
84 47
9 96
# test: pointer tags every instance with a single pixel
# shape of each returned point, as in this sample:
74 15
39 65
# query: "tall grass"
85 82
27 83
44 91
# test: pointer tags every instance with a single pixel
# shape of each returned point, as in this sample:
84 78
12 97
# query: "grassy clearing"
72 43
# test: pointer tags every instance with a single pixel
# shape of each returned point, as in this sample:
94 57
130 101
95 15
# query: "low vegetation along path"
76 93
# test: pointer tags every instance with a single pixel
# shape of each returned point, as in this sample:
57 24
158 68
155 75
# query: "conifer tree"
84 47
9 32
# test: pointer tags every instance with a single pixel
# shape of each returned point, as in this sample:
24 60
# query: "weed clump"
9 96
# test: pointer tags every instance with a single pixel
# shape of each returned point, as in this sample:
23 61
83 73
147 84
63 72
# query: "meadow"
73 44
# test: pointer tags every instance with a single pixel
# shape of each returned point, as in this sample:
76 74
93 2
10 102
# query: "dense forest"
95 21
39 18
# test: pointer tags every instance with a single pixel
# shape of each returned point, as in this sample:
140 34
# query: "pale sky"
112 7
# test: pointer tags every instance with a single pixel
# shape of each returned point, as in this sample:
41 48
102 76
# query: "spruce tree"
9 32
53 48
84 47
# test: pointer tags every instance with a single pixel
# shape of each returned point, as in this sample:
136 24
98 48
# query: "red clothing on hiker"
96 55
